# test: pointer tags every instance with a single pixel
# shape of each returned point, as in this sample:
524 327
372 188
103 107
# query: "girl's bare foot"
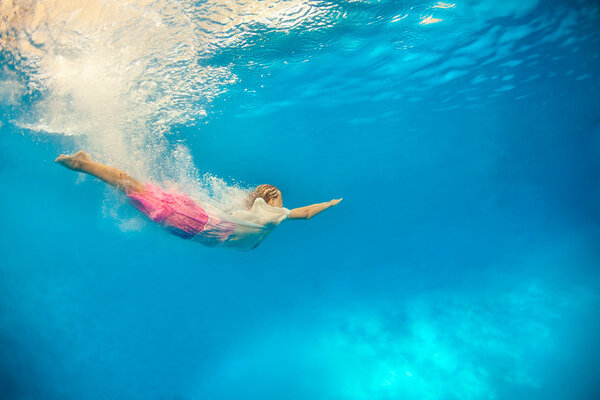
74 161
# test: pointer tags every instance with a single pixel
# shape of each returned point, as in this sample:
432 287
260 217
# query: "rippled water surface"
462 263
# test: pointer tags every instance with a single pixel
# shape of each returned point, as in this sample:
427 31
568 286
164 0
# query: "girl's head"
269 193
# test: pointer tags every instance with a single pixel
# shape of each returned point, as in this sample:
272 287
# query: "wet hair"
267 192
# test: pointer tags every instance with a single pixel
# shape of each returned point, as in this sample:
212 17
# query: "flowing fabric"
182 216
250 227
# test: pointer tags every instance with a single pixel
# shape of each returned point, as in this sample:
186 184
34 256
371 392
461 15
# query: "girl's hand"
312 210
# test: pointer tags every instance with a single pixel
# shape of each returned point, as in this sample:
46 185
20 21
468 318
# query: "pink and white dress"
183 217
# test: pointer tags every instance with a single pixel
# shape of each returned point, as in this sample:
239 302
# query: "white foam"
118 75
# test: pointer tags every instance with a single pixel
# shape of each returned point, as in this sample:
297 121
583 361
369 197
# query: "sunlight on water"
433 297
118 75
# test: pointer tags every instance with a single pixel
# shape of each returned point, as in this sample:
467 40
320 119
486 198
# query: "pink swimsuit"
176 212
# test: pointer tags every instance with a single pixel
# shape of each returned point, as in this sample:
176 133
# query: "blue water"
462 263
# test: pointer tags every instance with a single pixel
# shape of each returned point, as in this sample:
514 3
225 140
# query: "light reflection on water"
123 77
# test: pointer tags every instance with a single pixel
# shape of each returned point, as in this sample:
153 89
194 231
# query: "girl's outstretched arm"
312 210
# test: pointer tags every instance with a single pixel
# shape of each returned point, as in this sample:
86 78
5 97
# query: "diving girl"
182 216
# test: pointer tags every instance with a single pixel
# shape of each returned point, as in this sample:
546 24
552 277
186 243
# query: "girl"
180 215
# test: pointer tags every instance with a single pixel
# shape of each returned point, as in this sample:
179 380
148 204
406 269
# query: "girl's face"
276 201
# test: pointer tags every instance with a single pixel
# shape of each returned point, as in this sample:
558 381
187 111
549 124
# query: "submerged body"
183 217
188 219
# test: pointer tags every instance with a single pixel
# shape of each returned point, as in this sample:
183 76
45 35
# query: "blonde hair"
267 192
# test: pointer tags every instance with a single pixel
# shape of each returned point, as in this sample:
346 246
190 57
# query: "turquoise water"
462 263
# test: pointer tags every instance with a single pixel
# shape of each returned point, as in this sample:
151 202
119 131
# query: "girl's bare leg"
82 162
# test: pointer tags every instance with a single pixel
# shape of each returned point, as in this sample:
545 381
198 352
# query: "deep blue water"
461 264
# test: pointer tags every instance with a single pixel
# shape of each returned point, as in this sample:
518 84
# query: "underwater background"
463 262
